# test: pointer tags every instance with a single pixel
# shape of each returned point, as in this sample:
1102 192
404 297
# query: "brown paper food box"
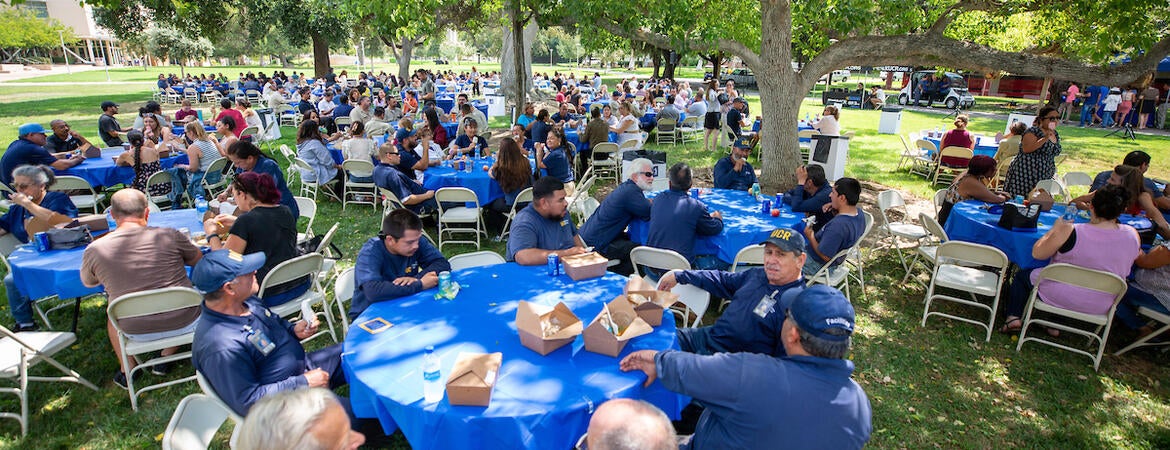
529 317
585 265
36 225
95 222
656 301
600 340
473 378
93 152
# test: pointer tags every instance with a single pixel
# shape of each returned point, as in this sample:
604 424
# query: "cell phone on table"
375 325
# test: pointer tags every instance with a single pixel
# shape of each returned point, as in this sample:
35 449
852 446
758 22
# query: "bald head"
128 203
625 424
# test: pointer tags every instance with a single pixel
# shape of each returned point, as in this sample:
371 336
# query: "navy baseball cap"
221 266
743 142
108 104
30 128
821 308
787 239
403 133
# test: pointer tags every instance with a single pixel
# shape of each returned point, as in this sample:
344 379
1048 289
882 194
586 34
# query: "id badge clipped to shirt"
259 340
766 305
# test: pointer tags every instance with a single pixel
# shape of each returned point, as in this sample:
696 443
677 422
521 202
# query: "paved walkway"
57 69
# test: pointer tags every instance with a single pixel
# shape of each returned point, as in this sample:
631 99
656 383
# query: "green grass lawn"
934 386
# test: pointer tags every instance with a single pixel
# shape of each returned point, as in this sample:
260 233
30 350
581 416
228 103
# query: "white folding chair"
475 259
690 129
924 164
605 161
752 255
66 183
308 209
891 200
288 115
343 286
978 270
944 173
209 391
342 122
693 299
147 304
459 215
323 249
1095 280
523 197
1147 340
1054 187
1076 179
927 248
805 146
835 273
160 178
251 131
21 351
940 196
390 201
303 266
909 154
219 166
665 131
194 423
356 192
310 188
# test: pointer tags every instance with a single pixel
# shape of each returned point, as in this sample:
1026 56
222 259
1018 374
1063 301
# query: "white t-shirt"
436 155
1112 101
358 148
325 106
712 100
829 126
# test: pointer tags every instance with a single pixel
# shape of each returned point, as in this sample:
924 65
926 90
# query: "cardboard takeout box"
601 337
544 328
585 265
473 378
648 302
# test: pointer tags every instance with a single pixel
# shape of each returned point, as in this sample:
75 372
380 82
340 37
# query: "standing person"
28 149
1149 103
247 157
1038 149
1070 96
311 148
676 219
1109 110
712 120
1091 97
1128 95
108 126
605 229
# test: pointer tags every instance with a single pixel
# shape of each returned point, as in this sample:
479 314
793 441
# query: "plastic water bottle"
1019 199
476 152
806 117
432 377
200 207
110 222
1070 212
756 191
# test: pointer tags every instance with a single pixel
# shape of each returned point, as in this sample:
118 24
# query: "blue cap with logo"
221 266
821 308
743 142
403 133
30 128
787 239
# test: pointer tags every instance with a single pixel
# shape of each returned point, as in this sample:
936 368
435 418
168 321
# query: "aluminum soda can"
554 265
779 200
766 207
41 241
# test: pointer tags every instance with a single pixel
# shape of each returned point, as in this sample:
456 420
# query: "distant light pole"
362 55
64 52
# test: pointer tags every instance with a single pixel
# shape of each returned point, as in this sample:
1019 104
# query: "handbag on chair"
1019 217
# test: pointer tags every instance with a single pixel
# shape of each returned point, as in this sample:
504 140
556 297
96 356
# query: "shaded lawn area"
934 386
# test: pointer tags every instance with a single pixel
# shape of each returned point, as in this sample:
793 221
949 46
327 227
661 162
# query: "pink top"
957 138
1073 90
1099 249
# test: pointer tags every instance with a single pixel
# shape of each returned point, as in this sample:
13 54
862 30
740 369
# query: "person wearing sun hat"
243 349
751 322
806 399
29 149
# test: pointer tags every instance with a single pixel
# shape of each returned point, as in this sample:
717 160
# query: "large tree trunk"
320 55
403 57
779 105
656 58
516 55
671 64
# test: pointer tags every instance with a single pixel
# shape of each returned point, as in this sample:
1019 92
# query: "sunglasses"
647 174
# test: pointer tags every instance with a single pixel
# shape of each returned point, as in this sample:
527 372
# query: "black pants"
620 249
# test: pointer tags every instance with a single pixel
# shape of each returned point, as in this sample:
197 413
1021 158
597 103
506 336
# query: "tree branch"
752 59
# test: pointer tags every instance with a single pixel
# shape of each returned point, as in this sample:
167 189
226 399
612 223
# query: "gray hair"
645 428
639 165
40 174
282 421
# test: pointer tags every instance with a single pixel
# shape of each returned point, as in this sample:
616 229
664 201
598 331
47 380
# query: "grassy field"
934 386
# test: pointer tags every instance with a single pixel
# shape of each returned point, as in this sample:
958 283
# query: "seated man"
409 161
306 419
676 218
811 194
733 171
752 320
135 258
543 228
564 117
65 139
840 232
669 111
29 149
624 423
414 196
379 125
469 112
605 229
397 263
741 391
1141 160
242 348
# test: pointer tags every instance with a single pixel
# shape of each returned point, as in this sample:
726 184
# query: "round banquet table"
103 172
485 187
743 223
970 221
574 137
539 402
985 146
58 272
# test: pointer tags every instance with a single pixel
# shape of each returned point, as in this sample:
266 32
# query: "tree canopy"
21 28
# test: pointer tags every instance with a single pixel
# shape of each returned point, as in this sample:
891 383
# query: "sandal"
1008 328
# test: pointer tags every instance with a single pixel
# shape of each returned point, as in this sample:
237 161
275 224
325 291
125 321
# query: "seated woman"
959 136
200 154
311 148
1140 199
262 224
555 159
829 124
224 127
145 162
469 142
156 136
972 184
1102 244
251 118
357 145
31 199
1009 146
1150 288
627 126
514 173
431 115
247 157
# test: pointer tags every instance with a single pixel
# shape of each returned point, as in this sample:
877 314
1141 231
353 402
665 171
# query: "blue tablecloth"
743 223
58 272
969 221
179 130
338 157
485 187
539 402
103 172
985 146
574 138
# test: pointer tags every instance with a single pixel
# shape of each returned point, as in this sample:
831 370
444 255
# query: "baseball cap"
30 128
403 133
108 104
821 308
616 94
787 239
221 266
743 142
739 99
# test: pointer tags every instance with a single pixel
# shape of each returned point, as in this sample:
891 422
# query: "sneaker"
120 379
22 327
161 369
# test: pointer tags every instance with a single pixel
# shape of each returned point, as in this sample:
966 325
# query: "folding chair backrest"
219 164
308 209
209 391
667 124
752 255
805 134
1053 187
940 196
978 254
392 199
933 228
302 164
343 286
287 153
524 196
291 270
926 146
69 183
160 177
475 259
456 194
327 239
1077 179
250 131
658 258
1096 280
631 144
358 167
890 199
690 122
150 302
957 152
194 423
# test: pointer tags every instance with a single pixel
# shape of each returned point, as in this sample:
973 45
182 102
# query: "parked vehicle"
837 76
741 77
956 97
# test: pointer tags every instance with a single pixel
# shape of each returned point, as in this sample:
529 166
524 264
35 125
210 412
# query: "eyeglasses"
20 186
647 174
